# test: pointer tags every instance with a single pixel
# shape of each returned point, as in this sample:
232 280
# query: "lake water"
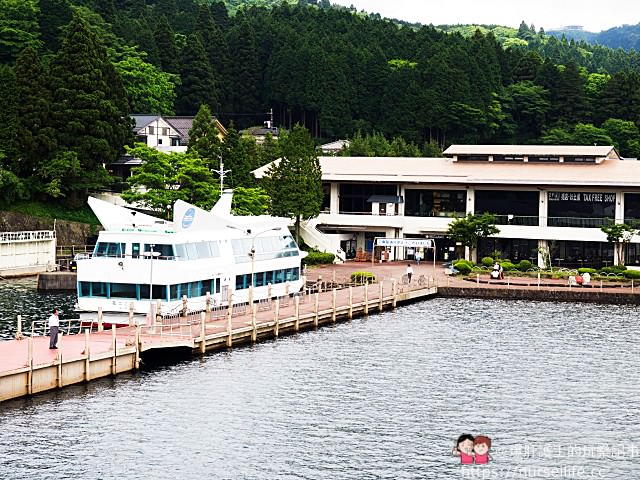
555 386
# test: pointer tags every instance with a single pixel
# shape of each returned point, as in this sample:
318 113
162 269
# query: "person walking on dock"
409 272
54 325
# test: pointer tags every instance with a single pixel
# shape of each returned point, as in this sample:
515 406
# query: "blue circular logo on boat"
189 215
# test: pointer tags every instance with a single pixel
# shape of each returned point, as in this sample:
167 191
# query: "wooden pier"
28 366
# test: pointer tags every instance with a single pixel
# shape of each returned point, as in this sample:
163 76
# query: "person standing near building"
409 272
54 325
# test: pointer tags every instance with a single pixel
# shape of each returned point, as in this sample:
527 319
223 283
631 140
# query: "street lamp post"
252 254
151 253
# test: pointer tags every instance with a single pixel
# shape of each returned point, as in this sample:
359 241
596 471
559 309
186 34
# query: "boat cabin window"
197 250
135 250
165 251
109 249
266 248
262 279
194 289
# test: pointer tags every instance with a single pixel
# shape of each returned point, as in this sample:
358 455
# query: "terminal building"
544 198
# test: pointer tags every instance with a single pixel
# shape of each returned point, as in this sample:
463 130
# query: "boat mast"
223 173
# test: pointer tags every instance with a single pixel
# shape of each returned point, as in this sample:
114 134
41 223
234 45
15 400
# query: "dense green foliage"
314 257
467 230
73 70
363 277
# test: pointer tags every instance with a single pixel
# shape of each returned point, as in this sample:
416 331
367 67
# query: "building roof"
614 173
520 150
181 124
336 146
142 121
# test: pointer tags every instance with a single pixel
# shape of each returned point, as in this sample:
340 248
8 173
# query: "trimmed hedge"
614 269
463 266
487 261
524 265
507 266
590 271
632 274
363 277
318 258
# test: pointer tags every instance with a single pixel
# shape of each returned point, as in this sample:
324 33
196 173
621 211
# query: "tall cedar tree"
166 45
295 183
198 85
204 138
89 108
18 28
54 14
245 69
38 138
9 120
217 50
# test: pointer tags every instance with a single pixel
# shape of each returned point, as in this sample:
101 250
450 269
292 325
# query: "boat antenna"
222 172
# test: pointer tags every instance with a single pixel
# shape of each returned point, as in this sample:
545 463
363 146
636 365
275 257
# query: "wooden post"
207 306
381 294
100 324
254 325
131 314
59 360
19 329
394 292
350 301
276 325
158 318
286 288
30 365
296 302
203 332
114 358
269 291
333 278
87 362
366 298
600 284
632 285
538 280
477 279
333 305
316 308
230 313
508 278
137 362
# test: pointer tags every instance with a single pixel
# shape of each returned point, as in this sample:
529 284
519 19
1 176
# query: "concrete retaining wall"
568 295
57 281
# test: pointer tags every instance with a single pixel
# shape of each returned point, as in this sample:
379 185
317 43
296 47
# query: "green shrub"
590 271
524 265
632 274
463 267
318 258
462 261
363 277
507 266
487 261
614 269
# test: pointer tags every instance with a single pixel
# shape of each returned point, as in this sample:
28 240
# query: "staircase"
320 241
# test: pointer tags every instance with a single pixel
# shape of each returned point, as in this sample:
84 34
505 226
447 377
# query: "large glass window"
510 208
631 207
354 196
165 251
109 249
326 197
580 209
435 203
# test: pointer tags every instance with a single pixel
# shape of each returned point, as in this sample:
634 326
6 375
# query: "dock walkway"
28 366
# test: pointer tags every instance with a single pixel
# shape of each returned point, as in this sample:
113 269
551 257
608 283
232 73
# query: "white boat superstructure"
139 260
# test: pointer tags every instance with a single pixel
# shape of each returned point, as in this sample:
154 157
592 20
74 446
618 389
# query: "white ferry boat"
139 260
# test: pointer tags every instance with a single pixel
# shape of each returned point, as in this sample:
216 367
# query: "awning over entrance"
385 199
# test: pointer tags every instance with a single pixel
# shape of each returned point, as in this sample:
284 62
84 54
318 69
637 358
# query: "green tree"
204 138
197 83
625 136
38 138
468 230
250 201
620 234
89 107
53 15
18 28
149 90
166 44
245 68
9 119
294 184
164 178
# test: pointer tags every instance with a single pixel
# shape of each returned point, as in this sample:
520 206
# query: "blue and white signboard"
187 218
404 242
